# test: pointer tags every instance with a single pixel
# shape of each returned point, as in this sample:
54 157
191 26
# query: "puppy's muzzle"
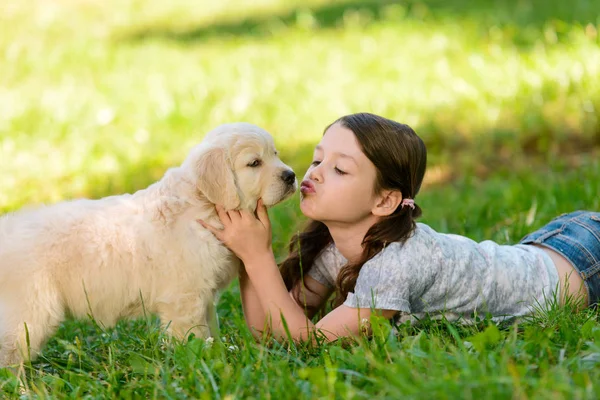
289 177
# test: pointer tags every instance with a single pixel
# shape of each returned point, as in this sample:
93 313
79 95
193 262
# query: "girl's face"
338 186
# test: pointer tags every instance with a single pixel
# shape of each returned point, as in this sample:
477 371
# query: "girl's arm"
253 311
250 239
282 310
310 293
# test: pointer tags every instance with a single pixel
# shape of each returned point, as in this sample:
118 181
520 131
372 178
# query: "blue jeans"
576 236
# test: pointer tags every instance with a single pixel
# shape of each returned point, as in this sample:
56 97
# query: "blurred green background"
100 97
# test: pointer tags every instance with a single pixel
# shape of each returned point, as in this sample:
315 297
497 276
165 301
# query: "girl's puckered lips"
307 187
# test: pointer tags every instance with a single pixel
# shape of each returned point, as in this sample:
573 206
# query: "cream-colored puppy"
121 256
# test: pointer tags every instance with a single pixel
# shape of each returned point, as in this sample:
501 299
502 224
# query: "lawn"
101 97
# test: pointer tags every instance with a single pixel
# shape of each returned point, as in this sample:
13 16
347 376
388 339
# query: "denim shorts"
576 236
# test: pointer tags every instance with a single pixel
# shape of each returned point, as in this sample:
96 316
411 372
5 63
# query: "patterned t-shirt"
448 274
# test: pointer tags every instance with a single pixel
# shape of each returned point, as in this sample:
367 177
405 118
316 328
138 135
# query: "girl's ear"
387 203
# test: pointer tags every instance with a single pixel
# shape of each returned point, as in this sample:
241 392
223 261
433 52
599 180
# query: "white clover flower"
233 348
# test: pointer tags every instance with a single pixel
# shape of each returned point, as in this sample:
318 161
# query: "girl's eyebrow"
342 155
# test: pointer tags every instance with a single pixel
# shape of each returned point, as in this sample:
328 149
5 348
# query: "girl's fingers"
223 215
234 215
211 229
243 215
261 213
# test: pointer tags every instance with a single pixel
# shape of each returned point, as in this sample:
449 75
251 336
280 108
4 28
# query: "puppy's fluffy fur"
121 256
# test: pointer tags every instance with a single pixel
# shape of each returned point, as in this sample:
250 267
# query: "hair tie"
408 202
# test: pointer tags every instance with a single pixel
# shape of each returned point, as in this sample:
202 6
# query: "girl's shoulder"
422 236
327 265
422 244
329 259
423 240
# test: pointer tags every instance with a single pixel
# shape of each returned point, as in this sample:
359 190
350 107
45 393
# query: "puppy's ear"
216 180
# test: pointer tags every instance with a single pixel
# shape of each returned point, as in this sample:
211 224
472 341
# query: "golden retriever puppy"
121 256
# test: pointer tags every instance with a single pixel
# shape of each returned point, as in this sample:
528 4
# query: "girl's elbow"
259 334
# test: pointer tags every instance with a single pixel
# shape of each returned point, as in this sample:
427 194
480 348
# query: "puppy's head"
236 164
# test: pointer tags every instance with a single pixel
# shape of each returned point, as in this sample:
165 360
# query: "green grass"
99 98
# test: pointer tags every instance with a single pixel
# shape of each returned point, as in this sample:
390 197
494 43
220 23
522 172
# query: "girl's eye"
255 163
339 171
315 163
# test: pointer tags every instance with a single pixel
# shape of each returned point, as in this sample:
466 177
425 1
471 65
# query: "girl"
362 243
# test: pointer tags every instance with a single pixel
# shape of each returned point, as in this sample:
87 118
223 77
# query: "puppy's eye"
255 163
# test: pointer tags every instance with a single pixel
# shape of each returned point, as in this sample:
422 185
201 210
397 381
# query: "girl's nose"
315 174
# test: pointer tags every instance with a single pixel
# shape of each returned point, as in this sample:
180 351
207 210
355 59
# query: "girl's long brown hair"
400 158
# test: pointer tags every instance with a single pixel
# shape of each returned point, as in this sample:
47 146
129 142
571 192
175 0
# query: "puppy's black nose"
288 177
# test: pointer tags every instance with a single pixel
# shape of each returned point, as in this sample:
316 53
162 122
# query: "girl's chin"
309 212
306 208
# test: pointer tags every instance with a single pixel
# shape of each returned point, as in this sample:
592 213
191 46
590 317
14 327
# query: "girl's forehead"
339 139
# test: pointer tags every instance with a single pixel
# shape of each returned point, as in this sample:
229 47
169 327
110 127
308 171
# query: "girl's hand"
244 233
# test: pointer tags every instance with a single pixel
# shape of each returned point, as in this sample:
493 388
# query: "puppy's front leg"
187 315
213 320
25 326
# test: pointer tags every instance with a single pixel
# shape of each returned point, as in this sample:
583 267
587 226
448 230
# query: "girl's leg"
571 284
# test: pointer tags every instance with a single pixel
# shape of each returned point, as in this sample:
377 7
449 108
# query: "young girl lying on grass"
363 244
